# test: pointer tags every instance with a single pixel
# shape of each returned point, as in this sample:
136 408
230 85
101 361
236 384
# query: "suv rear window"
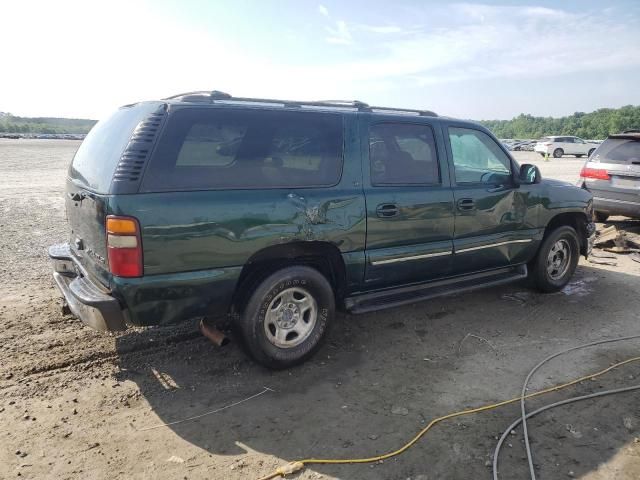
95 161
233 149
618 150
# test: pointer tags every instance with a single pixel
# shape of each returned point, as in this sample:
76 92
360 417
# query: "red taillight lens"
595 173
124 247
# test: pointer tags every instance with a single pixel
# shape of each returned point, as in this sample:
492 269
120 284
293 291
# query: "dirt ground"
75 403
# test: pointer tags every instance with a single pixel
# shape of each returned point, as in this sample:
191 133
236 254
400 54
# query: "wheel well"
323 256
576 220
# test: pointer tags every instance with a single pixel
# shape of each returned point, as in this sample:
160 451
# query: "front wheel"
556 260
287 317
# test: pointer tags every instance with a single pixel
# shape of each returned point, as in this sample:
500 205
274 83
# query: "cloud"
340 34
381 29
466 43
323 10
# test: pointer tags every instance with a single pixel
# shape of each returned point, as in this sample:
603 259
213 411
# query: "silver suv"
612 175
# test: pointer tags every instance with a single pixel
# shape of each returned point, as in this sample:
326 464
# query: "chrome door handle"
386 210
465 204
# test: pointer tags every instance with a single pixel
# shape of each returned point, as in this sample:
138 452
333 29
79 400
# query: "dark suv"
275 213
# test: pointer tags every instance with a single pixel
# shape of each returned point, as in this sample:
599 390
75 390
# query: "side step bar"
369 302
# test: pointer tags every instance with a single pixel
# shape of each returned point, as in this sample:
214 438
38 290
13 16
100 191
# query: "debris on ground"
175 459
612 240
396 410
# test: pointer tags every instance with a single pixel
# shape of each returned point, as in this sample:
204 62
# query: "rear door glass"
233 149
403 154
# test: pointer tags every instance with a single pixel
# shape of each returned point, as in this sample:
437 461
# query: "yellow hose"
300 464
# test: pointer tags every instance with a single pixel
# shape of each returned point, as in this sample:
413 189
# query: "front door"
409 202
490 210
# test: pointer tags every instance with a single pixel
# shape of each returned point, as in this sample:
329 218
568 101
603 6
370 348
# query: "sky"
485 60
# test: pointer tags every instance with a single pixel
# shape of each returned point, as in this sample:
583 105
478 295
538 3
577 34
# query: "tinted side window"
224 149
477 158
402 154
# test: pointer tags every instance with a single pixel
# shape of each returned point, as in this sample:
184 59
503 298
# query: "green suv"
276 213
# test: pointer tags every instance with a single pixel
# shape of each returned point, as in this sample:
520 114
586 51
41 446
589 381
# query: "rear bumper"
542 150
616 207
94 307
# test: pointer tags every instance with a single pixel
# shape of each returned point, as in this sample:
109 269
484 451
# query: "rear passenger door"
409 201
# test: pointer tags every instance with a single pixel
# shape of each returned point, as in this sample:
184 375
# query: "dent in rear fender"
164 299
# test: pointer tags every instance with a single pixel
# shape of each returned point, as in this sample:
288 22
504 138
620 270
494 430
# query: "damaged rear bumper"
94 307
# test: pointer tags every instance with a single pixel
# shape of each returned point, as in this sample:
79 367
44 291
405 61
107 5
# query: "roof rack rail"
422 113
215 95
209 94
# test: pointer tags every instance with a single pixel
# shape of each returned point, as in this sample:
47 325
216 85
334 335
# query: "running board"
369 302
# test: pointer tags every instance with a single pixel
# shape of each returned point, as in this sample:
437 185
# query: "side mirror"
529 174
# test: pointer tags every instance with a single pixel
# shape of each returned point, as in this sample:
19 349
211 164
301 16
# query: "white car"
565 145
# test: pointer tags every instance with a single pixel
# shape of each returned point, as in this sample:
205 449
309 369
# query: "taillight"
124 248
596 173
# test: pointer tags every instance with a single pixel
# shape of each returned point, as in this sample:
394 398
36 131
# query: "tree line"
594 125
12 124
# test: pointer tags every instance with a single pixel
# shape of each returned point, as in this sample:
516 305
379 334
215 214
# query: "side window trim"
435 152
451 162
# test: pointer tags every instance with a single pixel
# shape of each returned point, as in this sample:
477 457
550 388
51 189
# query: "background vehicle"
524 145
612 175
279 212
564 145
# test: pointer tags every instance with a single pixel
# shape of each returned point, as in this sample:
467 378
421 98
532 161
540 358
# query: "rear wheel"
558 152
601 217
591 151
556 260
287 317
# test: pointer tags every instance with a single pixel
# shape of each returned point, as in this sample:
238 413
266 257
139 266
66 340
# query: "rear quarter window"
95 161
214 148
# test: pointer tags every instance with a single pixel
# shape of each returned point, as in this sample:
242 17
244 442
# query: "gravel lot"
74 403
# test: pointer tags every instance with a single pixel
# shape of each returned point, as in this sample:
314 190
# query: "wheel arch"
577 220
323 256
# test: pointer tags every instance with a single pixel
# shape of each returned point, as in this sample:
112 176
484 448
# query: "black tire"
252 323
590 152
540 274
542 154
601 217
558 153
